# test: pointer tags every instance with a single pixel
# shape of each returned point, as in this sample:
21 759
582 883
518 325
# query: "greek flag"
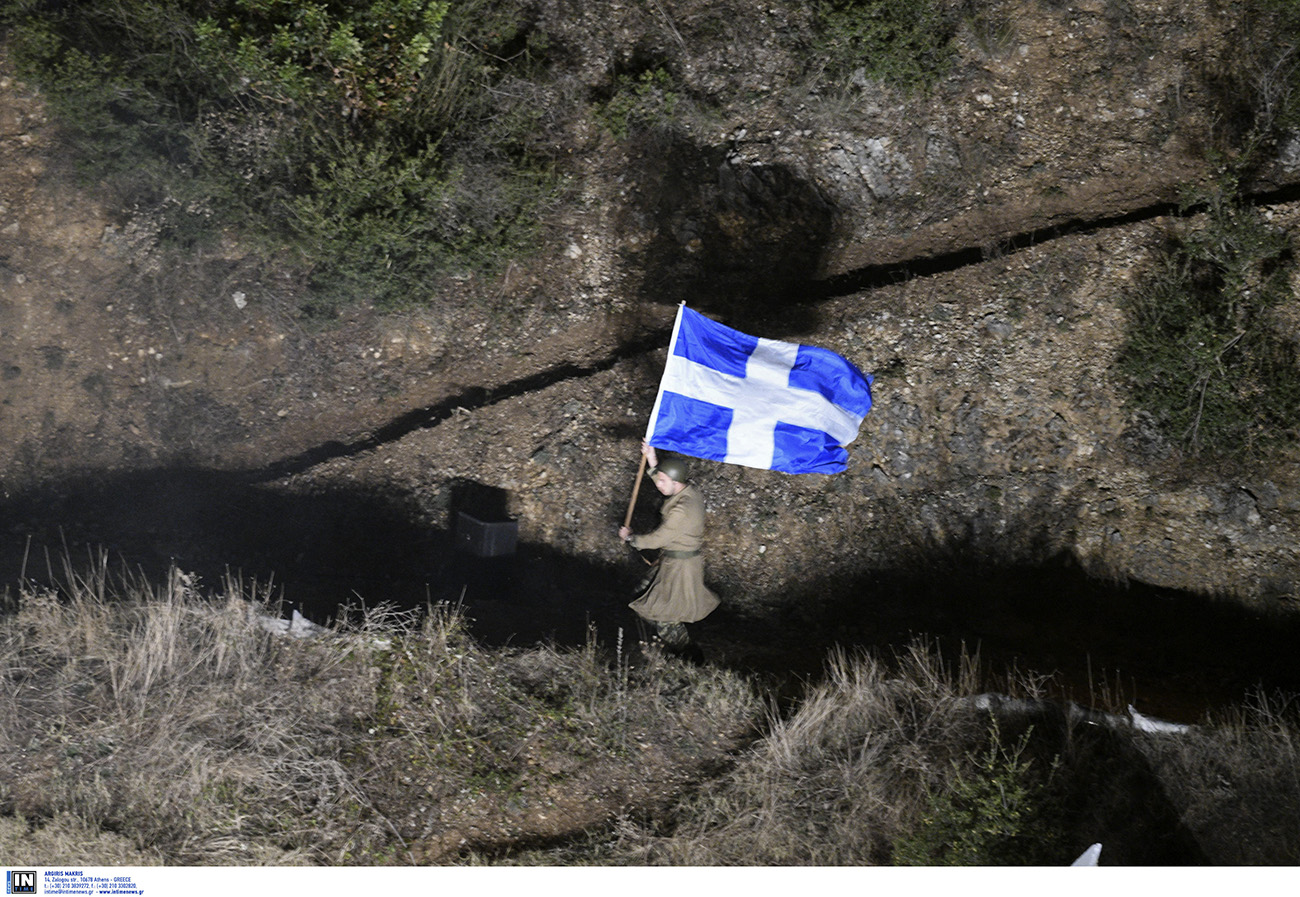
726 396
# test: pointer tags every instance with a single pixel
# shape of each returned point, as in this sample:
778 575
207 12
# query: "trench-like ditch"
861 280
873 276
1174 654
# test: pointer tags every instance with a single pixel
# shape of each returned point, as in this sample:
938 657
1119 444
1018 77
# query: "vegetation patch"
992 810
904 43
373 140
905 760
642 102
166 725
1205 356
161 724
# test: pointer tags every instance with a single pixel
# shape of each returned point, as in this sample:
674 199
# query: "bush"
1203 354
642 102
990 812
383 225
337 130
1267 65
905 43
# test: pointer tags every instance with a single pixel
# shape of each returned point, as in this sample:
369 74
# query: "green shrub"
906 43
990 812
358 62
362 135
1203 354
640 102
104 82
384 227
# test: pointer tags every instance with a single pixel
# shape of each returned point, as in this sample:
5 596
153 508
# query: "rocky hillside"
971 247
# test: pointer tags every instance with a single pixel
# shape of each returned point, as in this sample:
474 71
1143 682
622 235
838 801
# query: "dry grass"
158 724
177 721
1236 782
833 783
894 762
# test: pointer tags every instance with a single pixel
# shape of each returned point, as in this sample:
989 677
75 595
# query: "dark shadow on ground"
1097 788
322 550
1172 654
738 241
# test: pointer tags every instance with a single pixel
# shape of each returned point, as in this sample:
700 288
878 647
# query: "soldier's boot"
674 636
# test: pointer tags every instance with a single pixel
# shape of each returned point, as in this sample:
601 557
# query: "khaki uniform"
677 593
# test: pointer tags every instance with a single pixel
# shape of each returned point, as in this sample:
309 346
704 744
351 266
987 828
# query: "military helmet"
674 467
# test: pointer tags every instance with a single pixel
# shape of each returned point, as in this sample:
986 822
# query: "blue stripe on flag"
713 345
692 427
834 377
802 450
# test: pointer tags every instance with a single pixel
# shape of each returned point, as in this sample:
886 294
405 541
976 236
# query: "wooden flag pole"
636 489
627 521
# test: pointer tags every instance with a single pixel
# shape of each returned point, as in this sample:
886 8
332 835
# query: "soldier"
676 594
